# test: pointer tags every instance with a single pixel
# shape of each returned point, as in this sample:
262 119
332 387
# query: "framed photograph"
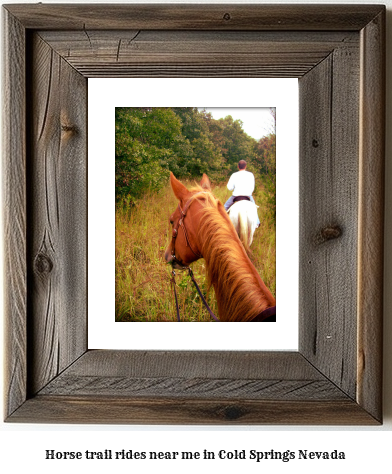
198 180
337 53
149 291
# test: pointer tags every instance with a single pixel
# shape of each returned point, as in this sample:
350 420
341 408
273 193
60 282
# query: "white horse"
243 215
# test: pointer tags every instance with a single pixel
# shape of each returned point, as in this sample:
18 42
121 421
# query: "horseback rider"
242 183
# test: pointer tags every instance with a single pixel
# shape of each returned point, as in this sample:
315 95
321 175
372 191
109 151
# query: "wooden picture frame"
338 54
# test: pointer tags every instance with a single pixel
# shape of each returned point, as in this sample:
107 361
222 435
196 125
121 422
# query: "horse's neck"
239 290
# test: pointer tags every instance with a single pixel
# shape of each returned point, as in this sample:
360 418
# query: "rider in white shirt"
242 183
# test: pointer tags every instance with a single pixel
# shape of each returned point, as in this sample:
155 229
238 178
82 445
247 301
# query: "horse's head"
184 247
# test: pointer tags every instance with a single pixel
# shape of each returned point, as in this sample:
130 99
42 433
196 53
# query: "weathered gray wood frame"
337 52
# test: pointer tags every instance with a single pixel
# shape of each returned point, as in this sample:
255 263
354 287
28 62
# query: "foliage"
151 142
265 160
206 156
237 145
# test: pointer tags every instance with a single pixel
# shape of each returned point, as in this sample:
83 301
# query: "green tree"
149 144
206 156
237 145
265 161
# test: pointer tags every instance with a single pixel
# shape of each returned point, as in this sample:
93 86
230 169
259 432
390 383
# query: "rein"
260 317
173 282
181 224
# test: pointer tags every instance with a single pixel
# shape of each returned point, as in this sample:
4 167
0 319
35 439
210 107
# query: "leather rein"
260 317
174 259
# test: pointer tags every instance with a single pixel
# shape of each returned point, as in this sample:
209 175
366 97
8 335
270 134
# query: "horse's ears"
205 182
180 191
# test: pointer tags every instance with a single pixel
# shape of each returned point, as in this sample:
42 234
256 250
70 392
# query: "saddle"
241 198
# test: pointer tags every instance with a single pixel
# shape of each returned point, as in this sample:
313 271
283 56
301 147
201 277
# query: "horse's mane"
239 290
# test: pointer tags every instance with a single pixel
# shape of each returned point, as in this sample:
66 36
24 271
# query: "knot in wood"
233 412
69 128
227 16
328 233
43 264
315 143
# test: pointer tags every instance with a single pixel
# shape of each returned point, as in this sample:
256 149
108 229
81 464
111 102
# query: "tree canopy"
152 141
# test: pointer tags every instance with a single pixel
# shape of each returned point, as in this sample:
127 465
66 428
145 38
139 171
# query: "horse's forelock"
206 198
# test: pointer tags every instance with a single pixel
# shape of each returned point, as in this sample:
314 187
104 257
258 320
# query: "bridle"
260 317
181 224
174 259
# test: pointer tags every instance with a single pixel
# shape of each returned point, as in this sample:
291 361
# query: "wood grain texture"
192 387
371 216
329 98
195 17
178 53
336 376
206 364
179 374
155 411
57 203
14 208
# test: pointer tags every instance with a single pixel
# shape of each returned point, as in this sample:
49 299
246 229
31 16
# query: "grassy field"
143 290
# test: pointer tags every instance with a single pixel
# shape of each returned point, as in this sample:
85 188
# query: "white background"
367 449
104 332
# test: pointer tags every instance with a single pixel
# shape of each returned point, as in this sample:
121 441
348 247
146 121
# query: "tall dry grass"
143 290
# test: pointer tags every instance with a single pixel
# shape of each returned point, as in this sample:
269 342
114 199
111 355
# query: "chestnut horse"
207 232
